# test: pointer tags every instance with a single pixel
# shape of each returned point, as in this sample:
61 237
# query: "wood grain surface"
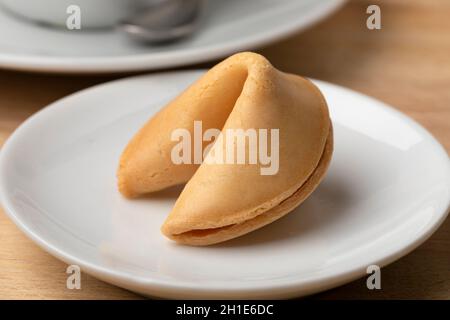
406 64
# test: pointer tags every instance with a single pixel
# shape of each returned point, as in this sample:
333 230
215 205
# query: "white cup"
94 13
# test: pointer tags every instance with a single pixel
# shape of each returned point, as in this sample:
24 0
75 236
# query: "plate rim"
167 288
160 60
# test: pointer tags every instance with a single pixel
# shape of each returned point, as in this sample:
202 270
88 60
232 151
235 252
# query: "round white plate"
227 27
386 191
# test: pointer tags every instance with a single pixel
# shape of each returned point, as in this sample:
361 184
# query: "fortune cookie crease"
224 201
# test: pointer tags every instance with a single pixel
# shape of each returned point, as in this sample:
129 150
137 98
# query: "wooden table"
406 64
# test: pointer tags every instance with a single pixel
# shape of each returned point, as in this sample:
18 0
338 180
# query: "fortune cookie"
224 200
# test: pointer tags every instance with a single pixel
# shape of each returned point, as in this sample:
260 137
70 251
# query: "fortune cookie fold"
222 201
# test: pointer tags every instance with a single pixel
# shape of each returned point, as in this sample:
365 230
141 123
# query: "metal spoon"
163 21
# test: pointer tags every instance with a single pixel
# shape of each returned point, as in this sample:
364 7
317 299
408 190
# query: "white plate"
228 26
386 191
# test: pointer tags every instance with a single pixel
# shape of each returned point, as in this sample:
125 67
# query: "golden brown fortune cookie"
223 200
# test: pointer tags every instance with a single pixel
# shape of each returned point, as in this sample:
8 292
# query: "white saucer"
228 26
386 191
